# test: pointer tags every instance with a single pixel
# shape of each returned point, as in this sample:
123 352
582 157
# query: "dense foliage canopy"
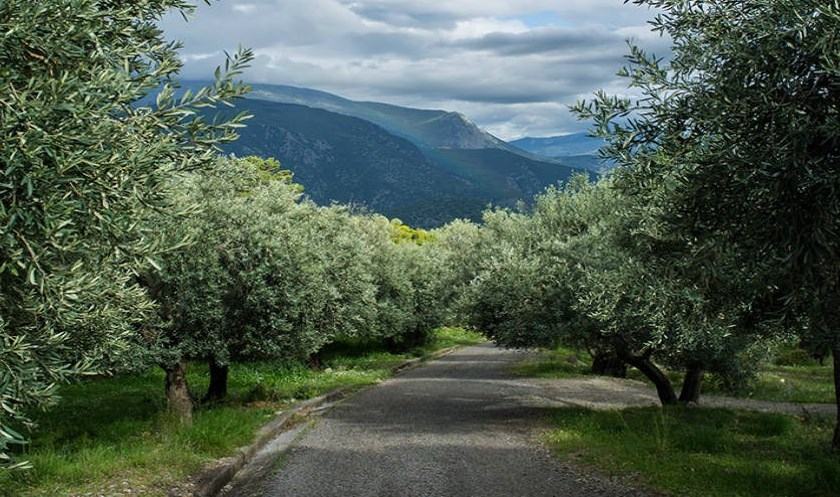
735 145
266 274
80 163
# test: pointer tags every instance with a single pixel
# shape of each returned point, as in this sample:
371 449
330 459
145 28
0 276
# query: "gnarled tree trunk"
692 383
663 385
177 392
218 382
609 364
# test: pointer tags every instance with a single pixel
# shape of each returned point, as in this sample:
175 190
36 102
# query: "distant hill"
577 144
429 128
351 160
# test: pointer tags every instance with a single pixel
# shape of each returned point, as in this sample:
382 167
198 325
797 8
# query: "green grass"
107 434
453 337
561 362
703 452
803 381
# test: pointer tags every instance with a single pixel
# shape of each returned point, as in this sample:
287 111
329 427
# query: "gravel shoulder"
595 392
462 425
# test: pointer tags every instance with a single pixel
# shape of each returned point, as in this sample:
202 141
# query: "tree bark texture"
663 385
692 383
177 392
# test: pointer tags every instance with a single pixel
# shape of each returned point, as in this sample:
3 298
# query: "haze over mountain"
395 171
574 150
431 128
575 144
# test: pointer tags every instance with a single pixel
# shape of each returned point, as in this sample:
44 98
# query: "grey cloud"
424 13
545 40
472 56
389 15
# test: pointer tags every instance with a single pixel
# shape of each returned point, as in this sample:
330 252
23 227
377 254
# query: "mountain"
348 160
340 158
578 144
589 162
425 128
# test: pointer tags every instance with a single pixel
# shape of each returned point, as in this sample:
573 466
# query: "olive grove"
716 235
735 145
81 162
128 242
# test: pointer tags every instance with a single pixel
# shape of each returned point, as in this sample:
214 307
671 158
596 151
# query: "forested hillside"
425 128
344 159
352 161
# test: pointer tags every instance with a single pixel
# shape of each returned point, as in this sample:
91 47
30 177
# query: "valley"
425 167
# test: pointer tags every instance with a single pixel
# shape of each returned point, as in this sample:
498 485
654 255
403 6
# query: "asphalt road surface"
462 425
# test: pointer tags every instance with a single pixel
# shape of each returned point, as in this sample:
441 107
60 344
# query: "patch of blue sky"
545 18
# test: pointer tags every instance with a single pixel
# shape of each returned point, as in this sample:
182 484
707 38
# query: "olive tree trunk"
664 388
218 382
609 364
314 361
177 392
692 383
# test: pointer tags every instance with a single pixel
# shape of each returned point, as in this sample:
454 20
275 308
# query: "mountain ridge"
340 158
433 128
574 144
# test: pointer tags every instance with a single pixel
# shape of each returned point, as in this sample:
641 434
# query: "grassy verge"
807 382
800 383
113 437
704 452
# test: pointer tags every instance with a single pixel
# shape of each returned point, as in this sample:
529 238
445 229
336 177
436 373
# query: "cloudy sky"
513 66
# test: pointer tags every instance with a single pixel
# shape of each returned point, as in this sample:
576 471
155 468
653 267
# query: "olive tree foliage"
640 290
258 272
265 274
587 267
80 161
407 273
736 139
461 246
519 283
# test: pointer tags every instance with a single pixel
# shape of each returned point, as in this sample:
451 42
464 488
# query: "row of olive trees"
81 164
585 268
261 273
127 242
719 231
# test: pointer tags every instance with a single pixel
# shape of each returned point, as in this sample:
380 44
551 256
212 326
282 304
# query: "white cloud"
512 66
244 8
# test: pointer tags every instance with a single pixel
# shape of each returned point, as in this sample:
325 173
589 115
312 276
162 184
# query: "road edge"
213 478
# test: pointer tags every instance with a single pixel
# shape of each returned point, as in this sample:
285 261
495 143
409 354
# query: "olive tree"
81 160
264 274
741 130
523 292
587 267
410 281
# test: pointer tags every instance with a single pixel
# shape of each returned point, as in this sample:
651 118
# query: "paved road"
460 426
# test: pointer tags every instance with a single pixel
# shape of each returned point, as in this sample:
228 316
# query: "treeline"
717 235
257 272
